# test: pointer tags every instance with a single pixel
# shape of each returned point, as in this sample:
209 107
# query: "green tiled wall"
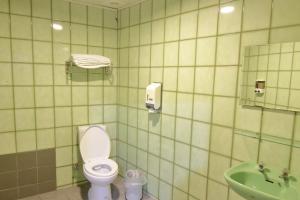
40 106
196 52
186 44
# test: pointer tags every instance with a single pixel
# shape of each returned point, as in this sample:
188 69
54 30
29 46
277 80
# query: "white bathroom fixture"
98 169
153 97
88 61
260 86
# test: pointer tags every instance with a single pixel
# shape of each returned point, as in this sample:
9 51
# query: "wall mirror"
271 76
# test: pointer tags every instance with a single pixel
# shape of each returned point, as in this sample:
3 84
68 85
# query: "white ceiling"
108 3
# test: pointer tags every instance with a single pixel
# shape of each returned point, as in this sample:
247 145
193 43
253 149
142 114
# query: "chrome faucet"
285 174
261 167
263 170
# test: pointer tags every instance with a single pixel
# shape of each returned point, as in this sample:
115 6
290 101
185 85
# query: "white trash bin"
134 182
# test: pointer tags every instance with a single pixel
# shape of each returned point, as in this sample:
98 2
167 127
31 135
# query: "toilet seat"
100 167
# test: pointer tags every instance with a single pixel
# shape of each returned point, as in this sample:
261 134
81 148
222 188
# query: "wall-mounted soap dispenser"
153 97
260 87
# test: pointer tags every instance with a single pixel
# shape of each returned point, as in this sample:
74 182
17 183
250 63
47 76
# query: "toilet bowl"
98 169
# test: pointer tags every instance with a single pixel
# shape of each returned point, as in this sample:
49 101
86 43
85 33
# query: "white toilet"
99 170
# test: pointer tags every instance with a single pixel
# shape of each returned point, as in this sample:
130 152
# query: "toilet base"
99 192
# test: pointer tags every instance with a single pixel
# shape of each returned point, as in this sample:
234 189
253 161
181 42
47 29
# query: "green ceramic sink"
246 180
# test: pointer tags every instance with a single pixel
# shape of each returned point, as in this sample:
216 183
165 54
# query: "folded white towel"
90 61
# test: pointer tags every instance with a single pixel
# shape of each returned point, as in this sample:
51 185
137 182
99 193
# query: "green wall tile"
165 191
7 120
167 149
154 144
63 136
45 139
41 29
78 13
213 187
63 156
95 16
5 74
80 115
153 165
64 176
26 141
184 105
183 130
5 50
158 9
135 15
6 96
188 25
95 114
44 118
43 74
41 8
152 186
42 52
23 7
178 194
4 5
172 7
197 186
44 96
231 22
182 154
172 28
21 27
60 10
218 136
79 34
181 179
145 36
4 23
146 8
8 143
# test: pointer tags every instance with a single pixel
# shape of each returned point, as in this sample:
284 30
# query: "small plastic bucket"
134 182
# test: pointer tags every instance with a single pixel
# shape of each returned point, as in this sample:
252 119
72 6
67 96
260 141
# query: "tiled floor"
80 193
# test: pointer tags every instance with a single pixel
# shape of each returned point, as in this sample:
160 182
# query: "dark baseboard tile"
26 160
8 180
46 173
46 157
28 190
28 177
8 163
9 194
26 174
46 186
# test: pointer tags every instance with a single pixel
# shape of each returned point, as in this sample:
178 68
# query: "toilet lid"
95 143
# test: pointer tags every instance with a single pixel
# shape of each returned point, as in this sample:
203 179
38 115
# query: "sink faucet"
261 167
285 174
263 170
